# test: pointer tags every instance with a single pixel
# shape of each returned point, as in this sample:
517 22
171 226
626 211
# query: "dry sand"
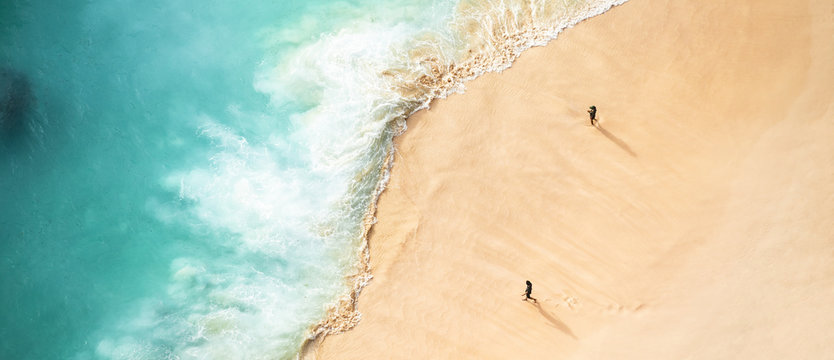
697 221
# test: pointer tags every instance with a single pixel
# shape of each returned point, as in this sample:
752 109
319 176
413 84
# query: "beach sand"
697 220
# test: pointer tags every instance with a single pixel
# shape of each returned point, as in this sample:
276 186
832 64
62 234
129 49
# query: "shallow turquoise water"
124 92
188 179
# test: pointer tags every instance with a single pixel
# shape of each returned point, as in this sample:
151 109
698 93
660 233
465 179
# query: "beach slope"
695 221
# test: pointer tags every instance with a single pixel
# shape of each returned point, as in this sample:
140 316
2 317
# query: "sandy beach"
695 221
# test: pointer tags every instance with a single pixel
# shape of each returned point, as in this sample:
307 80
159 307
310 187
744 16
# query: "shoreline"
342 315
666 190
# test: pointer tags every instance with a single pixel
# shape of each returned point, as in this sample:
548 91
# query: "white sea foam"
280 234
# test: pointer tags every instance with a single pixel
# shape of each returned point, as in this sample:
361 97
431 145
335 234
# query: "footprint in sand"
571 301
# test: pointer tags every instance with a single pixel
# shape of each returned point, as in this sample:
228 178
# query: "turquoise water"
189 179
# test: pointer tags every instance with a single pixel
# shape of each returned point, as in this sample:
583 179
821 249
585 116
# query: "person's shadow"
615 139
554 321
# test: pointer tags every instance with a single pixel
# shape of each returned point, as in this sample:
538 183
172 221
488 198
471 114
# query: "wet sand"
695 221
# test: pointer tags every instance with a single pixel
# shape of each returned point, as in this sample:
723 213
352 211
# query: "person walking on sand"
593 112
529 291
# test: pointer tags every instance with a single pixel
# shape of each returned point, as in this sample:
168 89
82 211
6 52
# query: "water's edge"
343 315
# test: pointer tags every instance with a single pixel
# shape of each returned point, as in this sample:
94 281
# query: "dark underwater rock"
17 102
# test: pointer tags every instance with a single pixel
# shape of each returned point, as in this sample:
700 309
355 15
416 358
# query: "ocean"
195 179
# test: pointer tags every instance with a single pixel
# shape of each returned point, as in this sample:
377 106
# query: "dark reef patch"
19 119
17 103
